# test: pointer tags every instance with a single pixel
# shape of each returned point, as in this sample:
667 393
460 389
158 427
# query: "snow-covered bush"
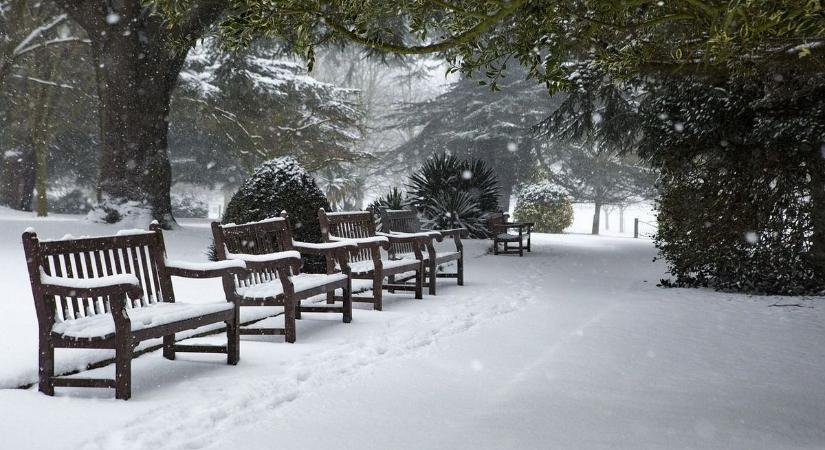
129 214
281 185
451 193
188 205
546 206
71 202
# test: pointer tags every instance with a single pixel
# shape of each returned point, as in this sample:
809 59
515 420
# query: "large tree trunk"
137 60
134 102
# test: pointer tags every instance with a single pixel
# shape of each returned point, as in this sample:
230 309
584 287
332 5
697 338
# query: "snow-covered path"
572 346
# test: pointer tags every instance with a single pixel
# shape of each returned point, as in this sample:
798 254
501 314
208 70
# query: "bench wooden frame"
499 226
405 222
274 237
141 255
358 227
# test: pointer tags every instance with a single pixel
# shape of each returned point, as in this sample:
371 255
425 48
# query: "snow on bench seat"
156 314
438 255
205 266
510 237
88 283
368 265
302 282
264 258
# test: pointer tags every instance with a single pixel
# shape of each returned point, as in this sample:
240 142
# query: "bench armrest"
367 242
453 232
421 238
430 235
507 226
289 258
212 269
324 248
111 285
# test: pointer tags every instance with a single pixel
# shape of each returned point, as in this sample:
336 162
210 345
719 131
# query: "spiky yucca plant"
394 199
452 192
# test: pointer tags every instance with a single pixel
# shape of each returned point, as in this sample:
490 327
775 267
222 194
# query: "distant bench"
113 292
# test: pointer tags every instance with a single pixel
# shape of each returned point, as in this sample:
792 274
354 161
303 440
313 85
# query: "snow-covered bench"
404 222
275 279
500 229
358 228
113 292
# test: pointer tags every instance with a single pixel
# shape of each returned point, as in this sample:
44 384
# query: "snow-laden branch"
58 41
37 32
304 127
45 82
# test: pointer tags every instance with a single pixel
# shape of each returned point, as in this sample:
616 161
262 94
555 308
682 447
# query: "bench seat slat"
102 325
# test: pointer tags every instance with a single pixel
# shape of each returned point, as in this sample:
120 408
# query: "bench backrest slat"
139 254
256 238
400 220
353 225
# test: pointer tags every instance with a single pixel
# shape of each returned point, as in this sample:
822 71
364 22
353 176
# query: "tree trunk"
18 179
596 215
45 66
816 171
621 218
506 192
607 217
134 105
137 60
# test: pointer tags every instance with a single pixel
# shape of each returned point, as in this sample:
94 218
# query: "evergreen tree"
594 133
478 123
235 110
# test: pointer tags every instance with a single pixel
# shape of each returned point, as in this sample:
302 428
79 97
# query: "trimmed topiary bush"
546 206
451 193
278 185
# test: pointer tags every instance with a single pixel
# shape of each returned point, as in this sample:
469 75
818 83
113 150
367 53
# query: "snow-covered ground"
572 346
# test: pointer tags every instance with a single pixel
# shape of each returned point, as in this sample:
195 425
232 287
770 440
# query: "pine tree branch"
447 43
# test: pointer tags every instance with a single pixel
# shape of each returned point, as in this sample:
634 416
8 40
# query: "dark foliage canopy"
742 181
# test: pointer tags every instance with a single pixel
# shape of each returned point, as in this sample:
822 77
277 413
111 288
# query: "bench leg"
233 340
289 320
298 310
528 243
391 280
348 302
431 280
419 282
460 270
377 294
123 369
331 298
169 347
46 367
495 247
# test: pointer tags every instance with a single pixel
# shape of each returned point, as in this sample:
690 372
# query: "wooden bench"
275 279
367 262
500 229
113 292
404 222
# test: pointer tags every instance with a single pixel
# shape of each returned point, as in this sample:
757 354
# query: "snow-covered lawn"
572 346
